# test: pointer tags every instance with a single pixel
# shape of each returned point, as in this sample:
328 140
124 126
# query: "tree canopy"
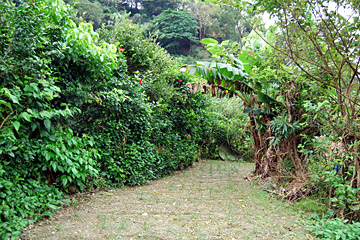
177 30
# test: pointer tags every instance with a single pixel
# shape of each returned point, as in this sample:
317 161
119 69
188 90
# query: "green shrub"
70 116
335 229
227 124
37 43
329 183
142 55
24 201
34 114
70 159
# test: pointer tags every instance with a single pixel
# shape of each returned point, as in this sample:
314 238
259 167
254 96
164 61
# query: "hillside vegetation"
101 104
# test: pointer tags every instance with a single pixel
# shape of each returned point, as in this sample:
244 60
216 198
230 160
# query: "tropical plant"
230 77
319 41
315 43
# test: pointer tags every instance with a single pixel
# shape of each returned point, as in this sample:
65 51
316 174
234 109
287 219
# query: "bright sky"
267 20
332 6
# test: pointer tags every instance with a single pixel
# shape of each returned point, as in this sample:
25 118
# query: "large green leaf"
248 61
192 70
26 116
14 98
47 123
208 41
215 49
224 74
215 70
264 98
6 104
252 110
16 125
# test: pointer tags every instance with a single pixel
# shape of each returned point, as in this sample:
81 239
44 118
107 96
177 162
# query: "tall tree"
317 46
232 25
177 30
89 11
155 7
205 14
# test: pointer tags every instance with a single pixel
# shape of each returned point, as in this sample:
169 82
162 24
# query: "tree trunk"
257 145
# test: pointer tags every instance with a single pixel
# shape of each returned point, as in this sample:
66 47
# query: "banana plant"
229 76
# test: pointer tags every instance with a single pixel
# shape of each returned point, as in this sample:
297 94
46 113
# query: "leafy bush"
69 159
38 151
118 120
227 125
141 140
32 114
180 115
331 176
158 112
70 116
24 201
142 55
335 229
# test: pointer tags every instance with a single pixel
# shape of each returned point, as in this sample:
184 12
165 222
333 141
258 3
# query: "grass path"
209 200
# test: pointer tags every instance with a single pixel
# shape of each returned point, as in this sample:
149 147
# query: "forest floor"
209 200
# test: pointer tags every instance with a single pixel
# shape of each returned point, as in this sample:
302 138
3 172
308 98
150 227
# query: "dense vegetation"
190 22
82 109
299 84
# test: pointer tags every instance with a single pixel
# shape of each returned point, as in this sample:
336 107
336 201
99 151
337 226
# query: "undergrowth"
333 228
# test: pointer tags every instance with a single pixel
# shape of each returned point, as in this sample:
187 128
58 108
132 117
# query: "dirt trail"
209 200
